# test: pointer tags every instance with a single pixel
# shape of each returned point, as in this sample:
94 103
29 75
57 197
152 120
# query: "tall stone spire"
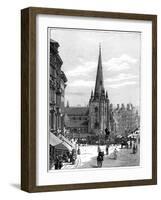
92 94
67 104
99 86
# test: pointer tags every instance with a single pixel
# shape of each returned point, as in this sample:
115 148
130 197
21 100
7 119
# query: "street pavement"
88 158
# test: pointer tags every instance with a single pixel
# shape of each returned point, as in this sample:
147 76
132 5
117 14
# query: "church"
82 122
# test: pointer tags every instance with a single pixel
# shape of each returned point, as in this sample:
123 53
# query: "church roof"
82 111
76 124
72 112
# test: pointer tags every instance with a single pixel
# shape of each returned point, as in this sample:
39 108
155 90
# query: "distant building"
57 89
126 118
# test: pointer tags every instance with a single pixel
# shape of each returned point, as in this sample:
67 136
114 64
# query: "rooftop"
82 111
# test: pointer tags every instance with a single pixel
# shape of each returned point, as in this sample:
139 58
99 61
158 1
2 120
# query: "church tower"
99 103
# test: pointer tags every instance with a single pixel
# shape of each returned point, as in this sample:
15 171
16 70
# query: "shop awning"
63 146
54 140
134 135
64 139
59 144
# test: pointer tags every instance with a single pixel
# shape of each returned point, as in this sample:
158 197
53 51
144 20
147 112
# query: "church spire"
92 94
99 87
67 104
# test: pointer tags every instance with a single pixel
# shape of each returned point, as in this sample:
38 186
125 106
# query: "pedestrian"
60 162
107 133
115 154
134 148
107 147
65 157
100 159
79 151
130 143
56 163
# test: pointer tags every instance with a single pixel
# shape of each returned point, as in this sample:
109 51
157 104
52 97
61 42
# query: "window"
96 109
96 125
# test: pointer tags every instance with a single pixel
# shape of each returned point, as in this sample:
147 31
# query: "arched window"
96 109
96 125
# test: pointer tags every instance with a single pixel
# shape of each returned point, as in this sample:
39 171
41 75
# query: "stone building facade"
99 111
57 84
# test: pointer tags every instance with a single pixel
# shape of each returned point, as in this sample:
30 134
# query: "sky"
79 50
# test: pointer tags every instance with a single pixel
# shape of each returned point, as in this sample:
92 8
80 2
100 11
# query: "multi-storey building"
126 118
57 89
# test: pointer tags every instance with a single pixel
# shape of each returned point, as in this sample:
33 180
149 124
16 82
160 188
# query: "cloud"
118 85
82 70
78 93
121 77
81 83
121 63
